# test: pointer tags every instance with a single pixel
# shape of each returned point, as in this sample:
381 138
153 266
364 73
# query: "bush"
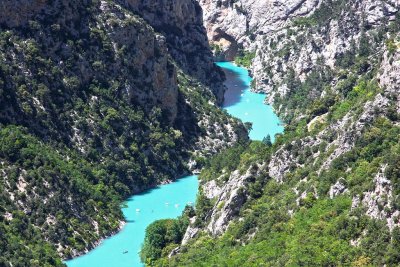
162 234
244 58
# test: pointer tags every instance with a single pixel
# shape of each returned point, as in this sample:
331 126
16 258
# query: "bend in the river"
168 201
246 105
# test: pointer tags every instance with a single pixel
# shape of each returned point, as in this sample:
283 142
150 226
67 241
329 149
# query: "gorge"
104 100
319 194
168 201
95 106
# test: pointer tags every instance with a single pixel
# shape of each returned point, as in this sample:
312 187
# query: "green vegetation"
164 235
311 238
303 221
85 121
21 244
302 95
322 229
363 91
72 181
234 158
83 125
319 234
328 10
244 58
217 51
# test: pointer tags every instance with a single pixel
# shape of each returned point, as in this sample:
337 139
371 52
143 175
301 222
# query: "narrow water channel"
168 201
246 105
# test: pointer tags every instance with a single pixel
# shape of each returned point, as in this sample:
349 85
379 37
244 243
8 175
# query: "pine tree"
267 140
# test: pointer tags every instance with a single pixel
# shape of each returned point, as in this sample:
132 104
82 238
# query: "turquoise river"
168 201
246 105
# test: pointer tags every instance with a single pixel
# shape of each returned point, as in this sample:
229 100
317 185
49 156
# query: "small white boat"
137 210
176 205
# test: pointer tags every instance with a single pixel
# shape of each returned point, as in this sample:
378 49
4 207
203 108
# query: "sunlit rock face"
271 30
293 40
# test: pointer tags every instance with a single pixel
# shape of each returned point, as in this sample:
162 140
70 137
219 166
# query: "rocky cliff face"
229 198
181 22
294 36
301 48
243 24
329 68
77 65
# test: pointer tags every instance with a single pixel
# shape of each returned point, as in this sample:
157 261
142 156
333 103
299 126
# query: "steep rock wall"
318 52
182 23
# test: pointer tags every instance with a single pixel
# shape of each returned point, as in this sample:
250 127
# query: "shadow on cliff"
181 22
186 121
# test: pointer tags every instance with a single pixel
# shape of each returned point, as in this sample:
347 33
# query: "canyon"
104 99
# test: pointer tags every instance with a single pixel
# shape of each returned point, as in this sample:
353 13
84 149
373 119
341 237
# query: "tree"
267 140
364 47
160 235
248 126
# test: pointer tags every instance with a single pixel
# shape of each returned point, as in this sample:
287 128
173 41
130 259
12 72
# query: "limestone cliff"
295 35
181 22
243 24
312 44
329 69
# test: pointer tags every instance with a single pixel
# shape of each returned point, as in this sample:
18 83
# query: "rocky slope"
236 25
181 22
292 41
296 37
99 99
329 68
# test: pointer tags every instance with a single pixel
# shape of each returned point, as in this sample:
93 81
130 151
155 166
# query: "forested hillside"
95 105
326 193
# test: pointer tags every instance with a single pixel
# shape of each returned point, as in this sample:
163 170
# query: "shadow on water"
145 192
236 88
246 105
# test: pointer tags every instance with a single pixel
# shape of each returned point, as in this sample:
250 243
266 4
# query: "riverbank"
223 190
164 201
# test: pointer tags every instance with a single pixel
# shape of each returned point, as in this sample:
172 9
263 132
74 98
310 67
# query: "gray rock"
337 189
190 233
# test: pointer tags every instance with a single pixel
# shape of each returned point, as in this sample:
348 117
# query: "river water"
168 201
248 106
142 210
